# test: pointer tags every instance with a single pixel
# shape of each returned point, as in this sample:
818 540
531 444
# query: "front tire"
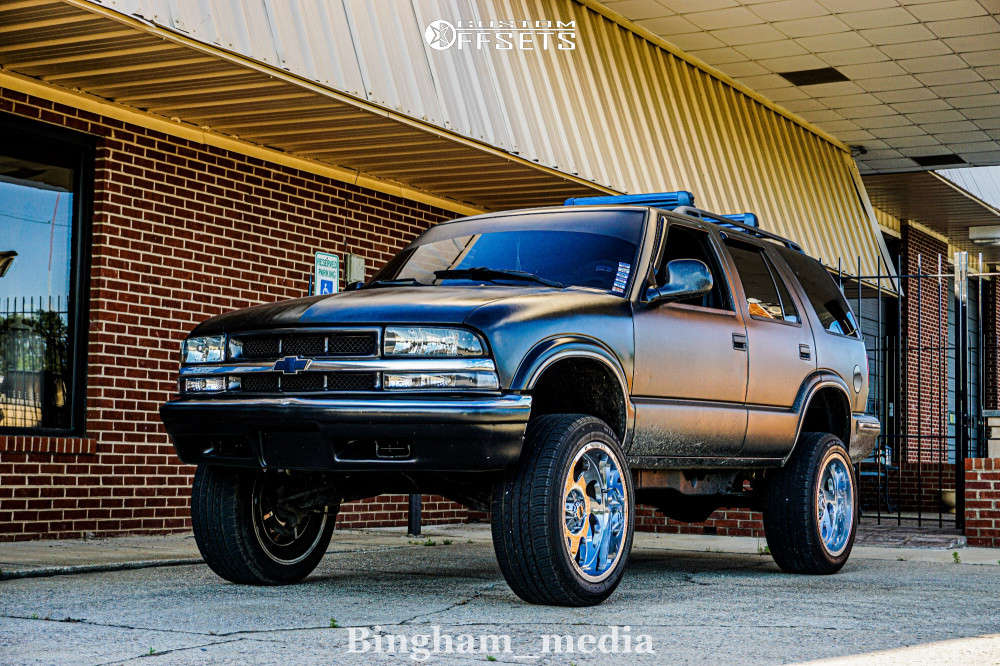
249 533
563 519
811 516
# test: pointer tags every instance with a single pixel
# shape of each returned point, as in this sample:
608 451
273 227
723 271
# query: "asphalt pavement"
381 597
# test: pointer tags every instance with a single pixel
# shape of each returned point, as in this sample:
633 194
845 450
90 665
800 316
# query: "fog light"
205 384
400 381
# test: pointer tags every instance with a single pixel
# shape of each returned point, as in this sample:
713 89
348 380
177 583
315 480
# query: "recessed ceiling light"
985 235
937 160
811 77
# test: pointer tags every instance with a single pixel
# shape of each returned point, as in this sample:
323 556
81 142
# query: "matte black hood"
383 305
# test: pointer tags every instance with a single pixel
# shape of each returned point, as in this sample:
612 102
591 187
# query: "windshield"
581 248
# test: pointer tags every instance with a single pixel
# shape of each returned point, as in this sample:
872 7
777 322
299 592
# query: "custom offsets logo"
509 35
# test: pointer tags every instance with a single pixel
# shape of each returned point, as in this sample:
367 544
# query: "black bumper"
323 434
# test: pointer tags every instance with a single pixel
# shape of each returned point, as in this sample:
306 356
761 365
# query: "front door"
690 363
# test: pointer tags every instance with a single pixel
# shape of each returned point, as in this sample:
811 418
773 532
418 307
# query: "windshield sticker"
622 277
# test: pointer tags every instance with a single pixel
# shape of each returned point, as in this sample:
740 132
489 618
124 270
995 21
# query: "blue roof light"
748 219
666 200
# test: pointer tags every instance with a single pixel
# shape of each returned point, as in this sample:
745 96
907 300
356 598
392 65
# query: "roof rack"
682 202
736 222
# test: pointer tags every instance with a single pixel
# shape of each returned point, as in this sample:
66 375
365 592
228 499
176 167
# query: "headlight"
209 349
426 341
483 380
205 384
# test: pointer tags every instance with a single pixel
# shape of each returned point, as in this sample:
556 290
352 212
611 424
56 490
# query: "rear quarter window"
826 298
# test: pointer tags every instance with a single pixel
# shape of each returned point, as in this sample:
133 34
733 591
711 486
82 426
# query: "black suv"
553 366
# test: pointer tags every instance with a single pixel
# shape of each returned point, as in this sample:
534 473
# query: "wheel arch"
554 360
824 405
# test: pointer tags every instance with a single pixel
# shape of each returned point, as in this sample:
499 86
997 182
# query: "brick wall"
926 364
181 232
982 502
911 487
726 522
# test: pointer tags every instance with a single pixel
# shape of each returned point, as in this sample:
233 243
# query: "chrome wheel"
835 505
286 534
595 502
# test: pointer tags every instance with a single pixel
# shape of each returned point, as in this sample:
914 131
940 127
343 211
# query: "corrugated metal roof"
353 83
981 182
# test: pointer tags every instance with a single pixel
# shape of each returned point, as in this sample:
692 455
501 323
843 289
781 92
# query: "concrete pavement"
382 590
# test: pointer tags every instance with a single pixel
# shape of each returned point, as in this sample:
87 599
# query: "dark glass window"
767 297
826 298
687 243
577 248
40 248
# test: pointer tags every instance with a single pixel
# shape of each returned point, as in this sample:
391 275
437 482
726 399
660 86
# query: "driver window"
688 243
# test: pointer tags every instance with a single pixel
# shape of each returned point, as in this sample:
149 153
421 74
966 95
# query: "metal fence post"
413 515
961 383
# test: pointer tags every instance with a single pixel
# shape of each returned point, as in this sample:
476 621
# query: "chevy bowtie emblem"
292 364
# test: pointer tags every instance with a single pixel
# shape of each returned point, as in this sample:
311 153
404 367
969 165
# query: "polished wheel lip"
582 508
263 540
835 497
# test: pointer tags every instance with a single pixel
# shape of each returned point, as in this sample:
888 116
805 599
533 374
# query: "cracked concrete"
696 607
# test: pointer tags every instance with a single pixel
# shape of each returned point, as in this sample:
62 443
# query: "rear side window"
766 295
826 298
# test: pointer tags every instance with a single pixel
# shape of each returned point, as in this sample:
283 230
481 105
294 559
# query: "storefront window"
40 211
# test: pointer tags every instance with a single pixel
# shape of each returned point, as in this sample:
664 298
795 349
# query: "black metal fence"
925 362
34 363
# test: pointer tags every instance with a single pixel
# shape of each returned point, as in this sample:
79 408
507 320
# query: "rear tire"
811 517
248 535
563 518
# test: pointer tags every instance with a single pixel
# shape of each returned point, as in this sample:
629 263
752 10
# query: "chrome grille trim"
338 365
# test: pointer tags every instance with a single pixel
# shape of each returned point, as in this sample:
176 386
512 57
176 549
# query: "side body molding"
548 352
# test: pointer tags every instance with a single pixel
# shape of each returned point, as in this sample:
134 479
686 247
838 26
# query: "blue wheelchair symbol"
326 286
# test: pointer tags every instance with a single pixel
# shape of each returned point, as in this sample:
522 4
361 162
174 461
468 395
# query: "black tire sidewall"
222 518
585 431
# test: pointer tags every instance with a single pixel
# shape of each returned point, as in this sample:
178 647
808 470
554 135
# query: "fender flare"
810 387
548 352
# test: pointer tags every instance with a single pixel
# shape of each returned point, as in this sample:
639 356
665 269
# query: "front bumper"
865 430
398 433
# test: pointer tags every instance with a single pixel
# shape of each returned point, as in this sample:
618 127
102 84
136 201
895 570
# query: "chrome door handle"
740 341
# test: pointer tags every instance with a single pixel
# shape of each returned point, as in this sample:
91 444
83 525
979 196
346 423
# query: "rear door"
690 364
779 345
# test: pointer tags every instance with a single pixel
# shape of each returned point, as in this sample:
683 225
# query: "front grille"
259 383
265 346
303 345
307 382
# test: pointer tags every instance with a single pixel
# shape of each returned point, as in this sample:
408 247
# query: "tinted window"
765 298
826 298
585 249
39 249
687 243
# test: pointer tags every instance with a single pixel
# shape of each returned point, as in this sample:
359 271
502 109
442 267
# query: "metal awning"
81 46
937 203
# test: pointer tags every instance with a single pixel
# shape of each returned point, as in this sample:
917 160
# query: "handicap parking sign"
326 278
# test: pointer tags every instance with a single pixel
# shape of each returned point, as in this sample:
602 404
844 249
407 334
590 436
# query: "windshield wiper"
486 273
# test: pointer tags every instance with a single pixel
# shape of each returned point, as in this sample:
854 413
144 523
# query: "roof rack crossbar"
729 222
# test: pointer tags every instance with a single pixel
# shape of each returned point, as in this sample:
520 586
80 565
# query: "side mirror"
687 278
354 286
